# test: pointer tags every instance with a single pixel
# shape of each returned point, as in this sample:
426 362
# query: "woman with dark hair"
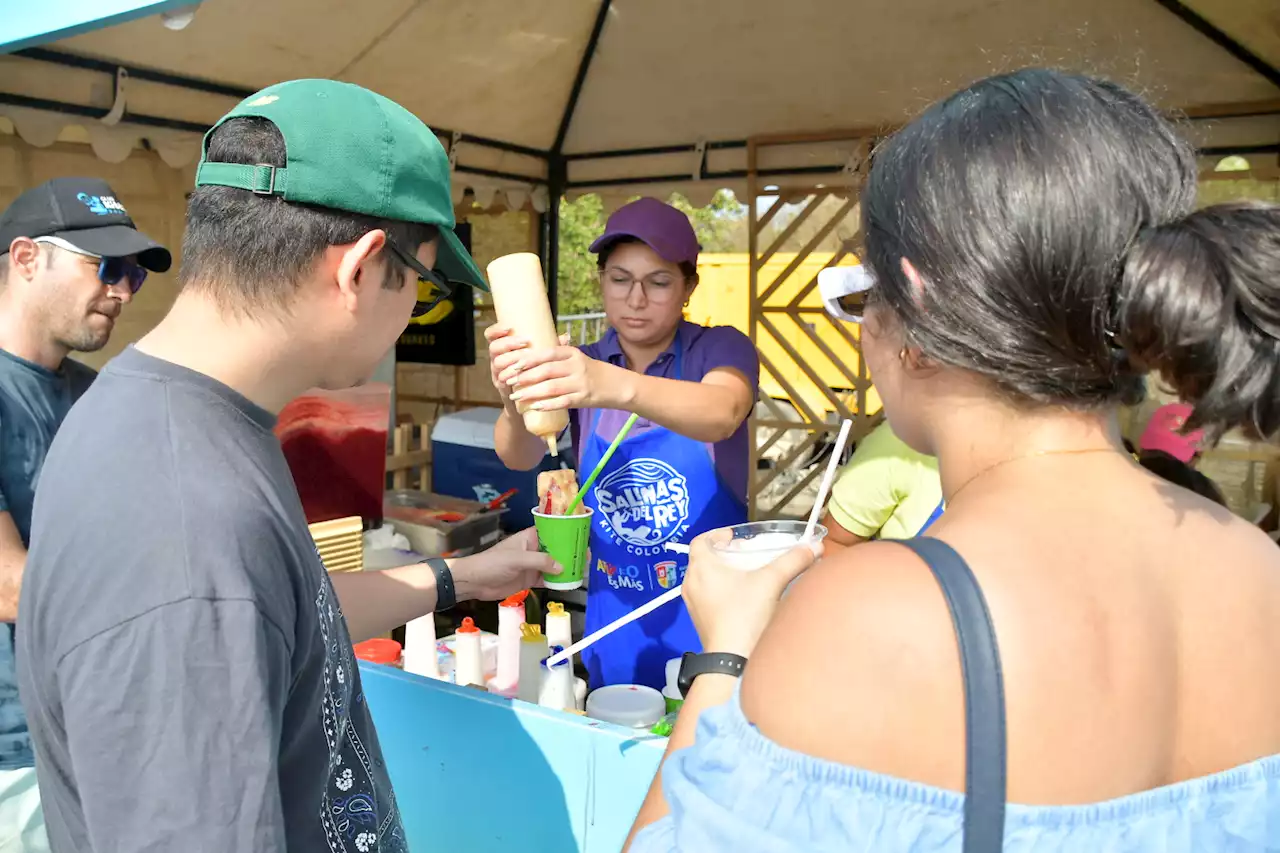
1036 254
682 469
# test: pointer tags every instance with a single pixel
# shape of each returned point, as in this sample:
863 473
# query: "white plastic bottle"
520 300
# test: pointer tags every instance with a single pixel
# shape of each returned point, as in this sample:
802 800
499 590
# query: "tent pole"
1221 39
195 84
556 171
580 78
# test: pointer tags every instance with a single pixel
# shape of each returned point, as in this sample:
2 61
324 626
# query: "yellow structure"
722 299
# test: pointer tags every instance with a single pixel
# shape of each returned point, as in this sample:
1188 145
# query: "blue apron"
659 487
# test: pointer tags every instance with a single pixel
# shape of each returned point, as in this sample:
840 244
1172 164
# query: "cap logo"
102 205
263 101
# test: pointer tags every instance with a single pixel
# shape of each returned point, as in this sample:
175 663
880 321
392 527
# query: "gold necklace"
1039 453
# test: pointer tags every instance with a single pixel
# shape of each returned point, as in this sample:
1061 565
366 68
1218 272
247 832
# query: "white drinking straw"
827 478
646 608
671 595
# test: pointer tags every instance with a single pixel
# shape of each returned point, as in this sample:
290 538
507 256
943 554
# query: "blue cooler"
465 465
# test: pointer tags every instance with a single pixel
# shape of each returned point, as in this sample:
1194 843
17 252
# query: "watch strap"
446 593
695 664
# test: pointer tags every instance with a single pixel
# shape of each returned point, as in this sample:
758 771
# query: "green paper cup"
564 537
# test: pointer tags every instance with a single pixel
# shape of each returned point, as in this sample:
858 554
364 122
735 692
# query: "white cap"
673 675
632 705
835 282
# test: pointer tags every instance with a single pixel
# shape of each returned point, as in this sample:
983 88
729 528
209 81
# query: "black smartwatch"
693 665
446 594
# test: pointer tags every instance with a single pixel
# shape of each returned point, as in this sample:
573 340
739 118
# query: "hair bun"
1199 302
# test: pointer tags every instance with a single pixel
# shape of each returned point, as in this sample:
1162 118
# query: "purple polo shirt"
703 350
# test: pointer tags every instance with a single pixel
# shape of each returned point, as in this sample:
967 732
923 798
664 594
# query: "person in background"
887 490
1168 452
1037 253
184 658
71 259
682 469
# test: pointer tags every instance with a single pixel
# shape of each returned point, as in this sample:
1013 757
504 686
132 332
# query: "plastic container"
510 618
671 690
566 538
758 543
519 295
556 690
533 651
468 662
634 706
421 656
380 650
559 625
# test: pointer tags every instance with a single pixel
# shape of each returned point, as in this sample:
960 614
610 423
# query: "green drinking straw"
622 433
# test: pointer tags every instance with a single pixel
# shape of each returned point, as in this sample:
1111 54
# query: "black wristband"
446 595
694 665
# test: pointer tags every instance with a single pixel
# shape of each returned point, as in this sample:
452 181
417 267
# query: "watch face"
686 673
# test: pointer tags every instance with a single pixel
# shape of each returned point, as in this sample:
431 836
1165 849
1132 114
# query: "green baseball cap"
350 149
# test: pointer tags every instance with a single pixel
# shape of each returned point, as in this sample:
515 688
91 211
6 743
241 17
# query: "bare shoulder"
860 659
1205 534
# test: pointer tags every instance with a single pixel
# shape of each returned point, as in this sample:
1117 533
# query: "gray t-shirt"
185 666
33 402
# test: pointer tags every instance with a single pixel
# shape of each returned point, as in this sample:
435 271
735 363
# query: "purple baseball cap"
660 226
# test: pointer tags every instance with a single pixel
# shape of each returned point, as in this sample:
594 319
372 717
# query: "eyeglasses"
433 285
111 271
658 288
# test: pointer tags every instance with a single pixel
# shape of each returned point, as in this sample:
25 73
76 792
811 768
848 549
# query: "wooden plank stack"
340 543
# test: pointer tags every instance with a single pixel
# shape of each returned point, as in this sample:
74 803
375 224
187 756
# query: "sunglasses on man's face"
433 286
122 271
111 271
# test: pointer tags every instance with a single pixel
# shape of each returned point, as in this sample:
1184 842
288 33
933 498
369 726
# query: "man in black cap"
70 259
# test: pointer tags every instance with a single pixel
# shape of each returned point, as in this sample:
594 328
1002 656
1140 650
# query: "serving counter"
478 773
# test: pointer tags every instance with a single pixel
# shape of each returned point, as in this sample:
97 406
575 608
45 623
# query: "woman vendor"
682 469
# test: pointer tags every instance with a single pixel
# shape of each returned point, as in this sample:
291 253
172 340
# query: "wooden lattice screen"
813 359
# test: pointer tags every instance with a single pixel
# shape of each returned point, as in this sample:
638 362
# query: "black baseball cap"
86 213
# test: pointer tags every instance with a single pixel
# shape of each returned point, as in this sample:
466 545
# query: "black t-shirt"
185 667
33 402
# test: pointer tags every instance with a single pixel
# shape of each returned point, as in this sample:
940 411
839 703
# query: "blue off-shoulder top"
736 791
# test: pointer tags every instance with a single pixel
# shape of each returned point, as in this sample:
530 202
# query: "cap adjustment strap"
260 179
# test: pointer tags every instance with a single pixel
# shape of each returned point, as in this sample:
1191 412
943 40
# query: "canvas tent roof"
641 95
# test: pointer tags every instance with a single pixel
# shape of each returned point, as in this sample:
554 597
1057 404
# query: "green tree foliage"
720 226
581 222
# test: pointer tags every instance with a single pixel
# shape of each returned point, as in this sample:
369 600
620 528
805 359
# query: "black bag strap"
985 760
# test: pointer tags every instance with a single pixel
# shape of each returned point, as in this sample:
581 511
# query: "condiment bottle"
520 301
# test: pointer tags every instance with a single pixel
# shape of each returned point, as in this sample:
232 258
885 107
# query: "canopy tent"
538 99
541 98
591 95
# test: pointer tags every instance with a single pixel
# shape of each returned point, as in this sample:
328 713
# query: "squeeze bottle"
468 666
520 301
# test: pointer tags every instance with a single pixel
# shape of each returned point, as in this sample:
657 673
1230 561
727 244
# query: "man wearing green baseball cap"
184 658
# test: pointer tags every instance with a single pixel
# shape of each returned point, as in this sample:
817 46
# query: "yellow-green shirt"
887 488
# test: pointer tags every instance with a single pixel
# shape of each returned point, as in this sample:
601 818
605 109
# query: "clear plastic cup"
756 544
